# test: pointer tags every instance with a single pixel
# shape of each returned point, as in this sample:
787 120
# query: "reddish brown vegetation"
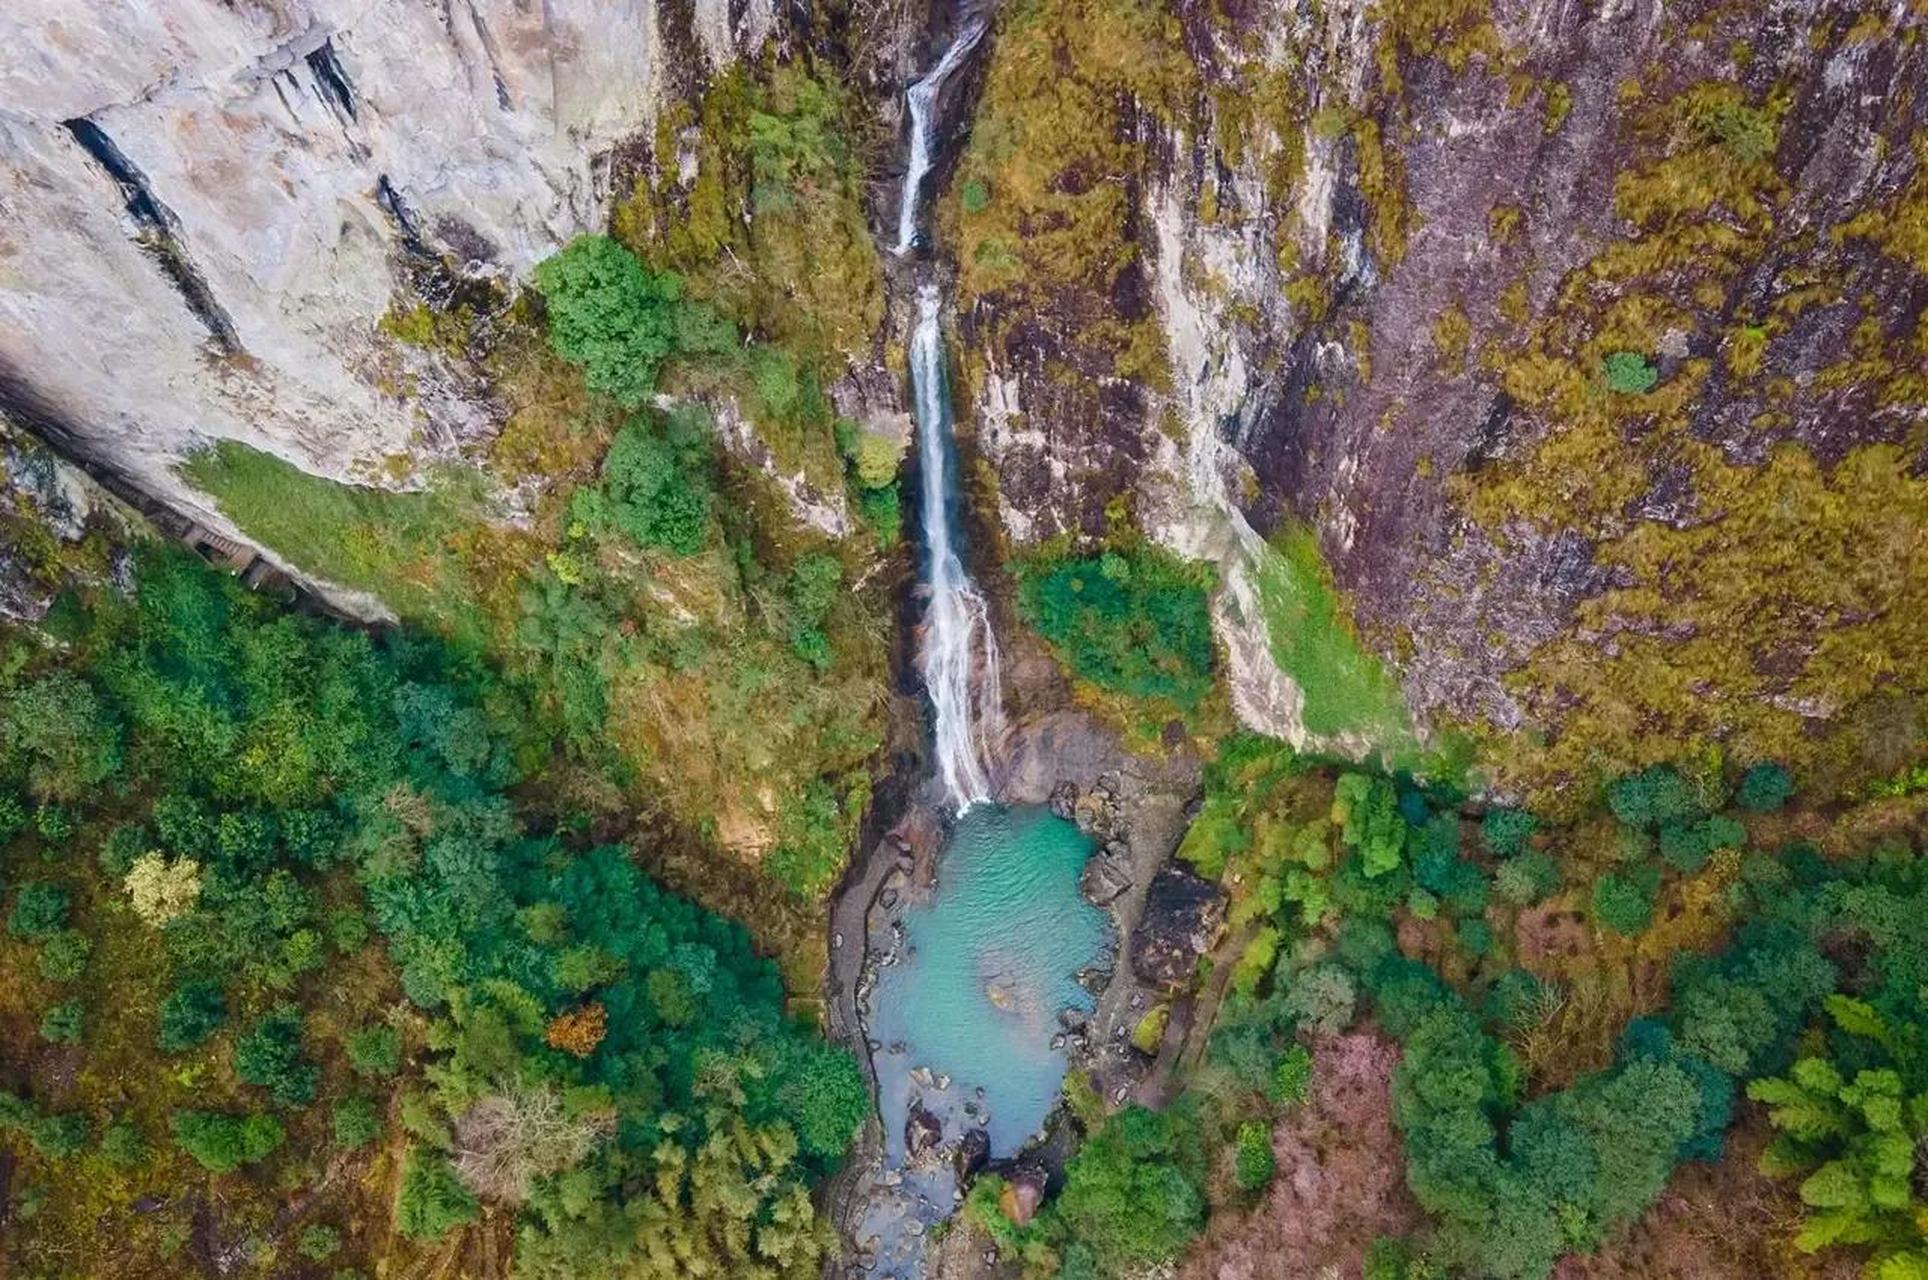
579 1031
1340 1183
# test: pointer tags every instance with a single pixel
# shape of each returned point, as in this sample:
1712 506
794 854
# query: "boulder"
922 1131
973 1153
1022 1195
1183 915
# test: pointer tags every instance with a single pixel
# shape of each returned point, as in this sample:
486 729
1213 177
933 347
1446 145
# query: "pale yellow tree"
163 889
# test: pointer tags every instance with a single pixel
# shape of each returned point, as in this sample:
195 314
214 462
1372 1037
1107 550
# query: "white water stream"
960 658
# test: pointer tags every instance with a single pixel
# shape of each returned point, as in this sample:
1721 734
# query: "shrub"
1291 1081
1764 788
1134 620
610 314
39 912
69 742
1505 831
61 1023
432 1199
63 957
1132 1192
269 1056
191 1013
54 823
1253 1162
1365 807
223 1143
318 1243
13 816
1527 879
655 489
1625 903
356 1122
1628 373
1322 998
121 1143
825 1096
1652 797
375 1052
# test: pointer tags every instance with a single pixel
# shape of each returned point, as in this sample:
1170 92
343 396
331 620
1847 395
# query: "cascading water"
960 658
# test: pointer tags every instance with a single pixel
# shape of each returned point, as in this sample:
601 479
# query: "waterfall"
920 98
960 659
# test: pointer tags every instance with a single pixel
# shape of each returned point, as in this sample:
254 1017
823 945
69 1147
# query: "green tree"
1253 1161
432 1201
611 315
40 911
1764 788
63 957
1625 903
223 1143
1132 1192
67 740
269 1055
375 1052
61 1023
356 1122
191 1013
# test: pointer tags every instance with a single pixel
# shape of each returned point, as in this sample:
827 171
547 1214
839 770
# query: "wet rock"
922 1131
1183 914
1072 1018
888 899
973 1153
1022 1195
1105 878
1064 799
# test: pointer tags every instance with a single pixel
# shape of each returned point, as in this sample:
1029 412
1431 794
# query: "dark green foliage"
1506 831
811 842
1132 620
1132 1192
223 1143
13 816
356 1122
40 911
1253 1161
191 1013
433 1201
122 847
269 1055
611 315
61 1023
813 589
656 485
63 956
1321 998
1764 788
54 823
1629 373
1625 903
375 1052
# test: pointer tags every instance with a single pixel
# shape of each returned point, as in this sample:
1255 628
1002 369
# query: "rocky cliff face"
206 208
1572 330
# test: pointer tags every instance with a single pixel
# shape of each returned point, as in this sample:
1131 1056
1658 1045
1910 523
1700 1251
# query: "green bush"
1764 788
121 1143
39 912
1132 1192
1133 620
1505 832
375 1052
57 728
656 489
54 823
356 1122
1625 903
1322 998
611 315
1291 1082
318 1243
269 1055
1528 878
61 1023
191 1013
1253 1161
432 1201
1628 373
223 1143
1651 797
63 957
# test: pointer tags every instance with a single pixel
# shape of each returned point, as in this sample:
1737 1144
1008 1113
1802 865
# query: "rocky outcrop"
206 208
1183 916
1381 253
